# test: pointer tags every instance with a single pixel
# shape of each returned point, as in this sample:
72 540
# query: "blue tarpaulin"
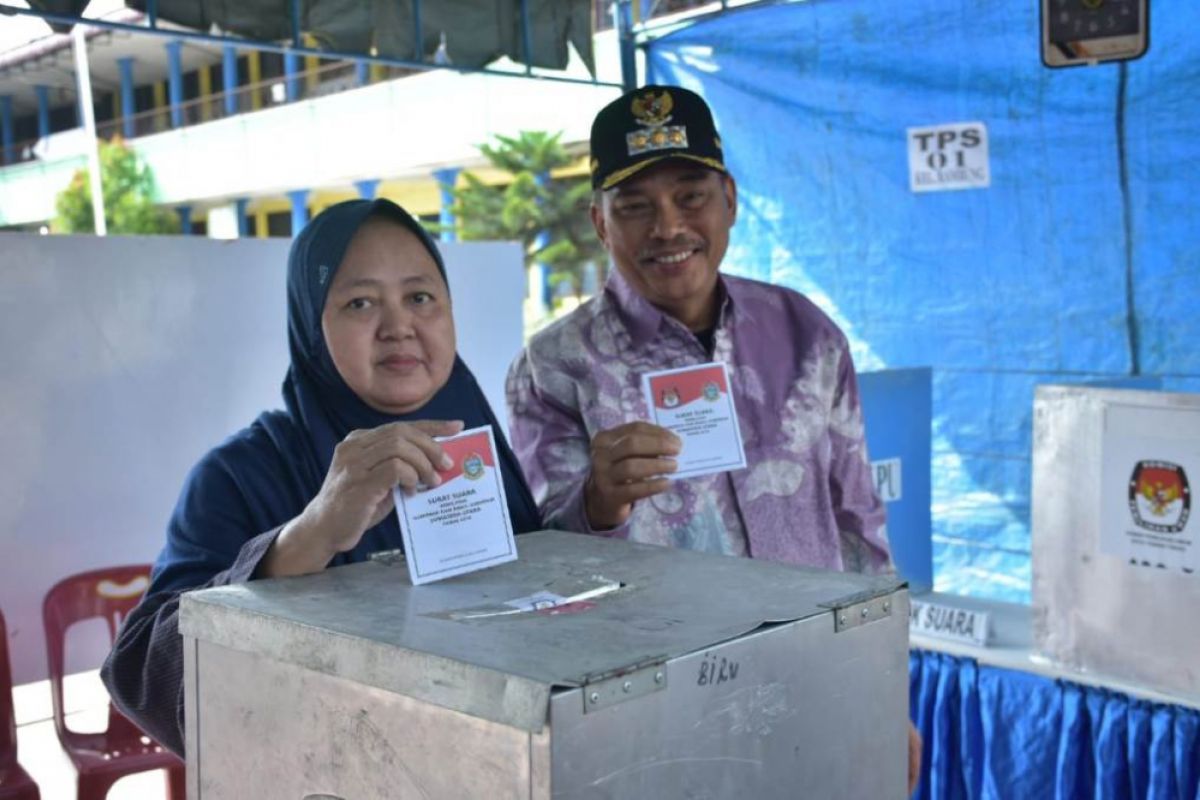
1078 263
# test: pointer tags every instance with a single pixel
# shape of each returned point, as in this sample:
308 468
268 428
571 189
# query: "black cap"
648 125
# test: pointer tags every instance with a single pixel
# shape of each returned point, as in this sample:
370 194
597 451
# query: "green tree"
528 204
128 188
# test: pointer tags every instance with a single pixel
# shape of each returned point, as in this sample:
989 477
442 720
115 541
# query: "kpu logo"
1159 497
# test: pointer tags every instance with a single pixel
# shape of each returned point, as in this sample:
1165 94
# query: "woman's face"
387 319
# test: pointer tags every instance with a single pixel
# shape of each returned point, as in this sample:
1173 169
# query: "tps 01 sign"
953 156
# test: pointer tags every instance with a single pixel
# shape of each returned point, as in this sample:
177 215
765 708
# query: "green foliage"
128 188
526 206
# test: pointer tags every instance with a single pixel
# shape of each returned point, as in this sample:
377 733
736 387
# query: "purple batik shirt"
806 495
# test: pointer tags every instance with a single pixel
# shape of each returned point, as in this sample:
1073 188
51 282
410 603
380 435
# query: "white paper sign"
695 403
462 524
888 479
951 156
947 622
1146 489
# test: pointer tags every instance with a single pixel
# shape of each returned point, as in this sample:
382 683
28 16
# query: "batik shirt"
806 495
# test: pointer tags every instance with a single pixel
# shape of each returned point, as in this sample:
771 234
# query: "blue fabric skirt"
999 733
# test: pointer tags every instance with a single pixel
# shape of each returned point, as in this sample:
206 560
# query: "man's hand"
914 758
628 464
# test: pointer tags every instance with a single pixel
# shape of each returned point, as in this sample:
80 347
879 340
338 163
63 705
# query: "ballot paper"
462 524
569 594
696 405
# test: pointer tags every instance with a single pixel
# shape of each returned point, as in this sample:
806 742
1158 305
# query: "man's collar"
642 318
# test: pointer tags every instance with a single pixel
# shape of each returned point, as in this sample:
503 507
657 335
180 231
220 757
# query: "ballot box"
1116 541
589 668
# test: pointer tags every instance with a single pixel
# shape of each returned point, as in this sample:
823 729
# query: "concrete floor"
42 756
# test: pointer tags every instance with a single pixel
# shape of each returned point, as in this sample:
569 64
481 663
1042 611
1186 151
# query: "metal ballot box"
589 668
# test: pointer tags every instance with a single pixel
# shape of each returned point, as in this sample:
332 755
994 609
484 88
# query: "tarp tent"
1078 263
476 34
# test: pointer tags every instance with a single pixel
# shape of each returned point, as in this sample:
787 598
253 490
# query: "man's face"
667 229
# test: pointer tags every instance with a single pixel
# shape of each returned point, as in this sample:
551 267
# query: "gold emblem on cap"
653 109
594 165
664 138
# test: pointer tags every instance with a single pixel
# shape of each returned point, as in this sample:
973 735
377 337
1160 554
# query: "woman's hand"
357 493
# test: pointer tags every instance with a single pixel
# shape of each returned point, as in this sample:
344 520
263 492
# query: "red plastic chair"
15 783
122 749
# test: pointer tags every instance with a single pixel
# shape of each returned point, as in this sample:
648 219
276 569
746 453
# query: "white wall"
124 360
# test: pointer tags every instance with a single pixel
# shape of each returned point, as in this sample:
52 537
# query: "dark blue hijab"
268 473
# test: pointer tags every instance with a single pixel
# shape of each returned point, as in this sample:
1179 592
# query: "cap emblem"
653 111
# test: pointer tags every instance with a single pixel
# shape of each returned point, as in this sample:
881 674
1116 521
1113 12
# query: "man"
663 207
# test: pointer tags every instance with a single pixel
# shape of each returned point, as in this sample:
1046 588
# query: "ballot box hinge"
863 612
619 687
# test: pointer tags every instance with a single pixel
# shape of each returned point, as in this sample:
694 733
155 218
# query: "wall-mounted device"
1091 31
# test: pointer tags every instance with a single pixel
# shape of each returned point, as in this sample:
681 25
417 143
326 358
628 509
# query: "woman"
374 378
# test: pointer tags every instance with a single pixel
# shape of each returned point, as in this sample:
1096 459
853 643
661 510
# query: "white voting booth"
1116 537
124 360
